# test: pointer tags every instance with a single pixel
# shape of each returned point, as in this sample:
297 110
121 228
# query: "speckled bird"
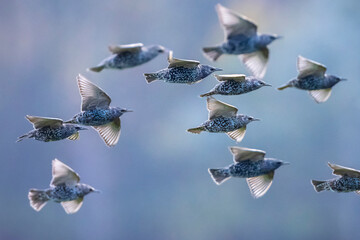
127 56
235 84
312 77
51 129
223 118
181 71
249 164
242 38
96 112
348 182
64 188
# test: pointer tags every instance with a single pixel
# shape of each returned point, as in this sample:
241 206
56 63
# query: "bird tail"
28 135
150 77
207 94
38 199
97 68
319 185
212 53
289 84
196 130
219 175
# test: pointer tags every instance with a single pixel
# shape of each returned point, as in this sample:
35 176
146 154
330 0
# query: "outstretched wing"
308 67
342 171
63 174
91 95
40 122
234 77
234 24
256 62
117 49
110 132
175 62
217 108
243 154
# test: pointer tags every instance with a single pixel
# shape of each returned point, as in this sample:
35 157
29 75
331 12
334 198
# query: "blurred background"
155 183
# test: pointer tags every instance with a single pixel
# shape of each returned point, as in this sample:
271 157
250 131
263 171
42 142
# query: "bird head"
206 70
266 39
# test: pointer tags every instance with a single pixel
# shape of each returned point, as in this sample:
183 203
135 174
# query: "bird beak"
128 110
285 163
97 191
256 119
218 69
343 79
278 37
266 84
83 128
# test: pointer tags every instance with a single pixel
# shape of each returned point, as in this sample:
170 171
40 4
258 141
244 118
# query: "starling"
235 84
182 71
127 56
348 182
224 118
51 129
242 38
312 77
249 164
96 112
64 188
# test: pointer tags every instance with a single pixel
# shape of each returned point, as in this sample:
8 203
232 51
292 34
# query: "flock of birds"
241 39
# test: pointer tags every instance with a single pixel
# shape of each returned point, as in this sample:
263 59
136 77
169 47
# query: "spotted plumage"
349 180
127 56
242 38
181 71
96 112
64 188
224 118
312 77
235 84
249 164
51 129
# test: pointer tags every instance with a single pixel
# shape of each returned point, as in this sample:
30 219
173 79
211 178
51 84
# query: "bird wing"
110 132
243 154
73 206
260 185
238 134
40 122
321 95
256 62
234 24
342 171
175 62
217 108
117 49
308 67
91 95
63 174
234 77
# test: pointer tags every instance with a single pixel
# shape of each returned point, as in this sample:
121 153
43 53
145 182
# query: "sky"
154 183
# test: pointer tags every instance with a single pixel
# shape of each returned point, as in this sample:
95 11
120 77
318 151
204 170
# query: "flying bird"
312 77
96 112
235 84
51 129
64 189
242 38
252 165
127 56
181 71
349 180
224 118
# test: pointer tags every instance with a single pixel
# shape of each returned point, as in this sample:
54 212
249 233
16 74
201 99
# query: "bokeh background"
155 183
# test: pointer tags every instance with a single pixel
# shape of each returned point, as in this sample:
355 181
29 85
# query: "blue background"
155 183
